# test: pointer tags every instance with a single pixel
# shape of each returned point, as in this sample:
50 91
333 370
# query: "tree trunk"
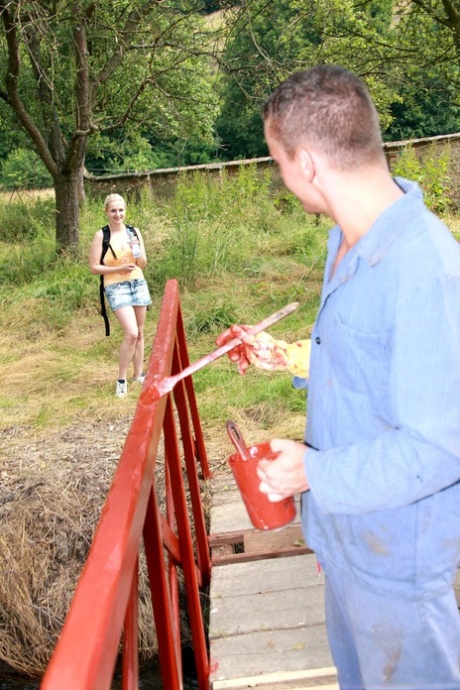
81 190
67 190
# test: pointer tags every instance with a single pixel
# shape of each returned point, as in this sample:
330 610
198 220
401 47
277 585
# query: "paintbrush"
165 385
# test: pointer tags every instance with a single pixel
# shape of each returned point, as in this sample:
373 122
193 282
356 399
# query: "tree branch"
14 100
128 31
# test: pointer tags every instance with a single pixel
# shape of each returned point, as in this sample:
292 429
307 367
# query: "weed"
215 320
430 169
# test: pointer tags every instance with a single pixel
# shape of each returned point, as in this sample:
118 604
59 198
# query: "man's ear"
306 162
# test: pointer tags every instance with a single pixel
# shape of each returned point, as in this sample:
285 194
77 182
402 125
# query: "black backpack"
105 247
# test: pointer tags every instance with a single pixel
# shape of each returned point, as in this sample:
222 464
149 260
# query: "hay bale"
52 491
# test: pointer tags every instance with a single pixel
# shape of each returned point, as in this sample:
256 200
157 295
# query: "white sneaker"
139 379
121 389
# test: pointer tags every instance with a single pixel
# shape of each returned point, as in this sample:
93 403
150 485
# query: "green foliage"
50 323
109 155
66 285
23 169
430 170
11 135
23 221
428 106
22 263
219 223
142 152
118 69
269 41
214 320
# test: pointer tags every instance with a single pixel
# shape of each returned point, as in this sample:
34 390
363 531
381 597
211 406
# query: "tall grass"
239 252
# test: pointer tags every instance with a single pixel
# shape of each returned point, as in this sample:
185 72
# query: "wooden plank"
264 652
312 679
274 595
267 616
289 536
229 517
270 575
222 557
270 611
254 545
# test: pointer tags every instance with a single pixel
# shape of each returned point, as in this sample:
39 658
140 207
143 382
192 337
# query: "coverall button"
318 340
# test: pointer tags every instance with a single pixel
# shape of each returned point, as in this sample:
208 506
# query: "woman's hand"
284 476
125 268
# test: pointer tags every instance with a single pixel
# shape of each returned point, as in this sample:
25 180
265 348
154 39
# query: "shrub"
23 169
23 219
430 170
218 224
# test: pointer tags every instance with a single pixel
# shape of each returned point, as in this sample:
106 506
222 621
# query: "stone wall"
162 182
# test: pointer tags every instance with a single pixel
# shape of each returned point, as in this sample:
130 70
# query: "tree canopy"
140 84
83 69
406 52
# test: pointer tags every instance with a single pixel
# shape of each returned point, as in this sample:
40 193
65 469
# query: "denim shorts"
129 293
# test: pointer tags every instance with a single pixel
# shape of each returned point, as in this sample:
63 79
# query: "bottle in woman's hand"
136 249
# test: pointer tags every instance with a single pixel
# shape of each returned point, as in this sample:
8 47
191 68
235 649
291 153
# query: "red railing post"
187 553
204 558
130 668
183 362
170 661
104 608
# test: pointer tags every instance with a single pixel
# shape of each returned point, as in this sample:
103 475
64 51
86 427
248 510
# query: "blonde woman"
126 289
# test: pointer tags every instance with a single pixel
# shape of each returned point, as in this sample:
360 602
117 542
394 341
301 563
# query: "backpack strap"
132 231
105 247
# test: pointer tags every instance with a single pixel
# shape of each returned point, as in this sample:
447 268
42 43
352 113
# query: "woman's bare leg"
138 359
126 317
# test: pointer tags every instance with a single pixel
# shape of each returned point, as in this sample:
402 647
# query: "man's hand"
261 350
284 476
238 354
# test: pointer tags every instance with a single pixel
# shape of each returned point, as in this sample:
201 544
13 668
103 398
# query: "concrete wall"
162 182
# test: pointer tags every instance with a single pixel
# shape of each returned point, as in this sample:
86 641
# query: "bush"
23 169
430 170
219 224
25 219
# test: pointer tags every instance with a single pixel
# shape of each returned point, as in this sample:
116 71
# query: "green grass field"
238 258
239 255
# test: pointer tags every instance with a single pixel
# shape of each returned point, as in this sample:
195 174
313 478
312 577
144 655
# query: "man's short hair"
329 108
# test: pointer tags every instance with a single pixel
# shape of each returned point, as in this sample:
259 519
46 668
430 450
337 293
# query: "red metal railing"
104 609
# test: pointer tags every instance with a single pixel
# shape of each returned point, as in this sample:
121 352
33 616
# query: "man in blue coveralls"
380 471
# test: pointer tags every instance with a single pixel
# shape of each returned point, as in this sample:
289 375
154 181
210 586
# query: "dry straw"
51 493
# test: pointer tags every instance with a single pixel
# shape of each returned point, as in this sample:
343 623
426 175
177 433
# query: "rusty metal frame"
104 609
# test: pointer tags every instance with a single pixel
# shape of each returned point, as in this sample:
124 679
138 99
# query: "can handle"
236 437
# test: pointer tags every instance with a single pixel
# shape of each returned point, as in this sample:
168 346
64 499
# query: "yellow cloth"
298 356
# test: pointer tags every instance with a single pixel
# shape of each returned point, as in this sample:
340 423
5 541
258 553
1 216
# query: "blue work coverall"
383 421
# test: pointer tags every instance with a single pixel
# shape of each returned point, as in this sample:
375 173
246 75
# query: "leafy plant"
431 170
22 220
214 320
23 169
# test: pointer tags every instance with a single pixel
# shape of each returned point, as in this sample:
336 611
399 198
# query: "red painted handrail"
104 608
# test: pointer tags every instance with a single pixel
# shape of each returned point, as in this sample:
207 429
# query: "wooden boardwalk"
266 626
